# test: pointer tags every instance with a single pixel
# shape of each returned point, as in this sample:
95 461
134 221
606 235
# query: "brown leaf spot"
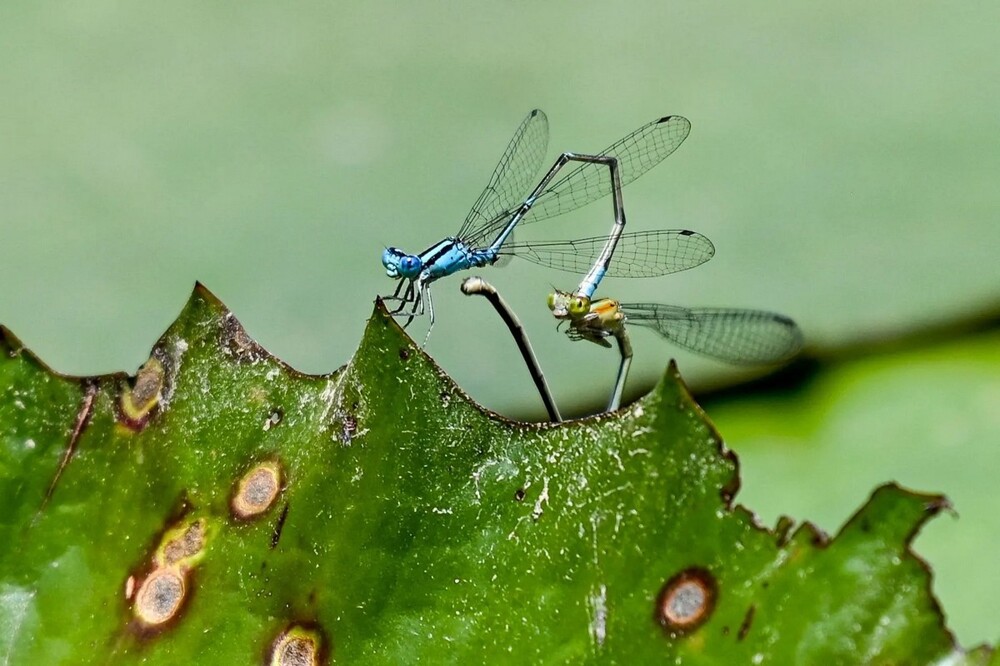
82 419
256 490
184 545
747 622
279 526
138 403
686 601
296 646
160 596
236 342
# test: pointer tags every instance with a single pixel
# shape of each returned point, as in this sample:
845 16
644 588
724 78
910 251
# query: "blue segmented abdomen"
588 288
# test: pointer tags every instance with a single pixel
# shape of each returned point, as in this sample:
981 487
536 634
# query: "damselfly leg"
402 300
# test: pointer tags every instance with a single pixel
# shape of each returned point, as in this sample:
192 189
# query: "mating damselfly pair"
509 201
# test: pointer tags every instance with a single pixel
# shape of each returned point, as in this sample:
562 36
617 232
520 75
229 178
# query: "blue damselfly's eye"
409 266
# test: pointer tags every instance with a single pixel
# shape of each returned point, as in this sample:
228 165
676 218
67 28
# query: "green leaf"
221 507
922 411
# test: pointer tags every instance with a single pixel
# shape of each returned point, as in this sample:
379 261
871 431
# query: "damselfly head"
565 305
399 264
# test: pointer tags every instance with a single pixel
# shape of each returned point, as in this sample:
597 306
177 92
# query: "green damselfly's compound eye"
579 305
551 301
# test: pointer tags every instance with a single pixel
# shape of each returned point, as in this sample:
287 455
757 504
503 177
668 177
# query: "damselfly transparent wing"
638 254
637 153
513 177
736 336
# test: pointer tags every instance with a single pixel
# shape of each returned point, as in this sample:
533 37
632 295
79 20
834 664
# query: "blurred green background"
844 160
